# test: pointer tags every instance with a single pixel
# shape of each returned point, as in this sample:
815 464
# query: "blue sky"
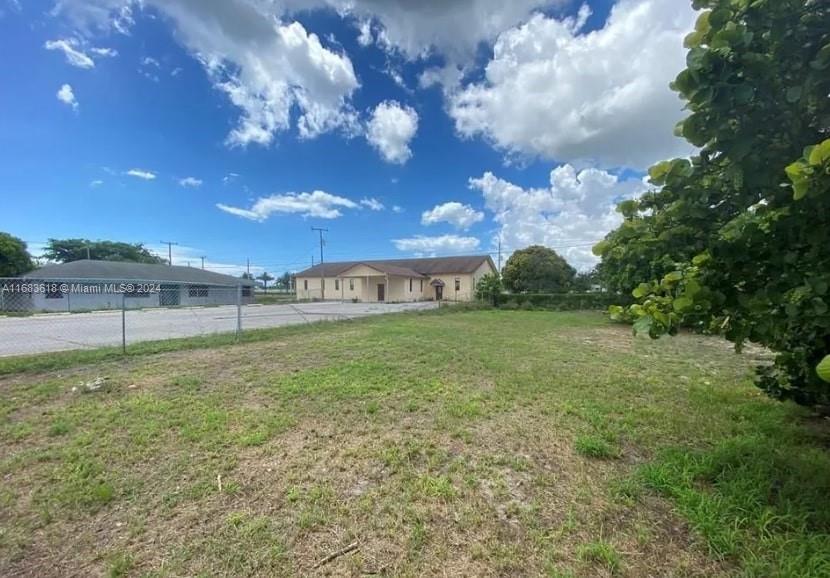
233 127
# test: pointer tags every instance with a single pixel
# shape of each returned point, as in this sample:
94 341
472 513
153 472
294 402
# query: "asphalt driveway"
65 331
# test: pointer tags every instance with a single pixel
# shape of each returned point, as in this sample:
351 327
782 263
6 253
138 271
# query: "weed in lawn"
602 554
594 446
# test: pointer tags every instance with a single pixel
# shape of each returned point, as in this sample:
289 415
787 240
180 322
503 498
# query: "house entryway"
381 292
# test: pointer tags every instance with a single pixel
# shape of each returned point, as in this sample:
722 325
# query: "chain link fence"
39 316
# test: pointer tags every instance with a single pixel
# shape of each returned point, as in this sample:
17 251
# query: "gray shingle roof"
124 271
422 267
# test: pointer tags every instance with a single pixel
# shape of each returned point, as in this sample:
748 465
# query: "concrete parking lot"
65 331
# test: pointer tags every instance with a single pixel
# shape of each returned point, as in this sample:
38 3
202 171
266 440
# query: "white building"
395 280
92 285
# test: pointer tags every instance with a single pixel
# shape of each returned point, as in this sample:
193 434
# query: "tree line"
16 260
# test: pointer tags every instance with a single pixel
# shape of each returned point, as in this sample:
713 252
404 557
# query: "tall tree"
737 239
284 281
14 256
67 250
265 278
537 269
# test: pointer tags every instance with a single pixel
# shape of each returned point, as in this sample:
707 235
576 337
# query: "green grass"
601 554
454 442
595 447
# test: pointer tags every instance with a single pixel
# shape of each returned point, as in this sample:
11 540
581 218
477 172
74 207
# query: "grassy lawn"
447 443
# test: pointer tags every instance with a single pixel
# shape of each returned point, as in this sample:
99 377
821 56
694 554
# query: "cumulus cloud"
571 215
443 245
602 97
417 29
390 129
67 96
317 204
75 52
397 209
141 174
460 216
365 38
192 182
372 204
266 67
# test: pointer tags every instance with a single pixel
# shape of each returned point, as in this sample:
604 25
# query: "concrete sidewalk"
65 331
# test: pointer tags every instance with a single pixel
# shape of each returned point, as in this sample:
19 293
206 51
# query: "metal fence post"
123 323
239 310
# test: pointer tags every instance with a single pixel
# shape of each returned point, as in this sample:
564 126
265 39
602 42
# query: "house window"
53 291
351 284
246 291
457 284
422 285
305 284
337 284
197 291
410 285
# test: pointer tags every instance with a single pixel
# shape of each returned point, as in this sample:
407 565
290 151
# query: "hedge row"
560 301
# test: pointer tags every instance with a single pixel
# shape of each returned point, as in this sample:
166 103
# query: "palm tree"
265 277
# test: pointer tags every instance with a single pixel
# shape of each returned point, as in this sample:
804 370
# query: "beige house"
395 280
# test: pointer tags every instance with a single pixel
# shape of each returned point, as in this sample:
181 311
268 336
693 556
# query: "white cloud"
603 97
571 215
443 245
75 52
365 38
229 178
96 183
417 29
390 130
316 204
266 67
107 52
66 95
460 216
397 209
141 174
372 204
190 182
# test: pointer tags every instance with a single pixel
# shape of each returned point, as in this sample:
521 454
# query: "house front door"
381 292
439 293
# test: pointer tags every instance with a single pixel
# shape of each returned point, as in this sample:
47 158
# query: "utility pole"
322 268
203 262
87 253
499 254
169 251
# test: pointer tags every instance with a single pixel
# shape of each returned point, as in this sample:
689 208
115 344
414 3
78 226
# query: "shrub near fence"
560 301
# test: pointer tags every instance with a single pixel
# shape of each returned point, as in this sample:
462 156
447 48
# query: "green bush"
559 301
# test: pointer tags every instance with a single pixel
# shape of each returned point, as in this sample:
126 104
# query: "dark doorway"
169 295
439 292
381 292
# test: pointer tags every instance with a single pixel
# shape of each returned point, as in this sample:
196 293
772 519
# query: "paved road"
63 331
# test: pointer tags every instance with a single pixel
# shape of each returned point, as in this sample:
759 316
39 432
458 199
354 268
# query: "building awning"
437 283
